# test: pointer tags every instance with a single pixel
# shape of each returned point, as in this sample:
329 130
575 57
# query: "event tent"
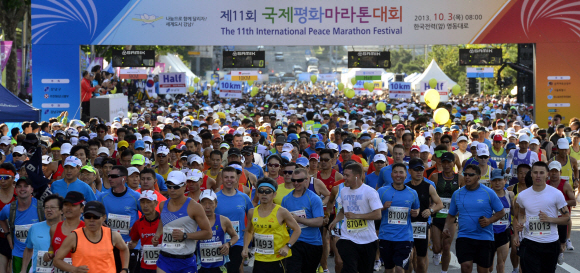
13 109
433 71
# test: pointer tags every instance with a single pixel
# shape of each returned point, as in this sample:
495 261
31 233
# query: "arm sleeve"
4 212
453 205
317 210
28 240
380 180
374 200
161 182
134 233
510 157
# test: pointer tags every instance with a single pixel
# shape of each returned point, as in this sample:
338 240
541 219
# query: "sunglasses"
484 157
288 172
247 154
161 155
497 142
445 142
5 177
469 174
113 176
262 191
299 180
324 159
274 165
17 154
255 135
380 162
91 216
418 169
173 187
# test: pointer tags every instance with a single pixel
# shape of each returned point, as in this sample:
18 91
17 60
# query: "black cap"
415 163
74 197
348 162
281 139
247 149
448 156
95 207
234 151
31 138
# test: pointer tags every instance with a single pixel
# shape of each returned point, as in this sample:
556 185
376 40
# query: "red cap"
497 138
157 130
231 131
314 156
299 122
399 126
415 147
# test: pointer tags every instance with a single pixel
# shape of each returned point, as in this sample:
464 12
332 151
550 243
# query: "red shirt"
59 237
144 230
2 204
86 90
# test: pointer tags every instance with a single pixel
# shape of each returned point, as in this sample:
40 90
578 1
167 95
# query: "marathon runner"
144 229
501 228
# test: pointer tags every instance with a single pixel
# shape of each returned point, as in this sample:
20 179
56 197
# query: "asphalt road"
571 258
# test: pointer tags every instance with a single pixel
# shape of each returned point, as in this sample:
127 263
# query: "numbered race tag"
446 205
169 241
398 215
66 260
485 182
302 214
537 228
264 243
119 223
21 232
150 254
356 225
566 178
505 220
210 252
236 225
419 230
41 265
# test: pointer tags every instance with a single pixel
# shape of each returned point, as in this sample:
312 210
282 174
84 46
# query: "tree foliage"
11 13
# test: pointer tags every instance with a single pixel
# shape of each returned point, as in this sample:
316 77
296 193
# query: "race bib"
119 223
505 220
537 228
264 243
302 214
150 254
485 182
356 225
398 215
41 265
565 178
446 205
21 232
66 260
236 225
419 230
169 241
210 252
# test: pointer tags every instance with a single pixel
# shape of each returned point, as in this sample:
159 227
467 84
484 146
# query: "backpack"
12 215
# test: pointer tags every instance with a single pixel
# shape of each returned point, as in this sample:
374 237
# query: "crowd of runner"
285 182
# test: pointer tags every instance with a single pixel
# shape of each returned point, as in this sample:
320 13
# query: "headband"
55 149
267 185
5 171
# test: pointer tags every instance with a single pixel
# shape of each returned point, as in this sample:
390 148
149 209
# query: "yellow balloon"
196 80
340 86
432 98
205 92
211 82
353 81
313 78
456 89
251 82
381 106
191 89
441 116
221 114
255 89
371 86
114 90
349 93
432 83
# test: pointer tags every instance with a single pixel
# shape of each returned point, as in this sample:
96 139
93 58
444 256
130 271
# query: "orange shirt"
98 255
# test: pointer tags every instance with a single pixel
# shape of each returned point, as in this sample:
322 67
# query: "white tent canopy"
433 71
174 64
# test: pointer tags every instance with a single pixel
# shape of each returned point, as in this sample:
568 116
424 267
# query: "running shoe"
561 258
377 266
436 259
569 245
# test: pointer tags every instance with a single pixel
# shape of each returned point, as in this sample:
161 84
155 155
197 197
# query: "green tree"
11 13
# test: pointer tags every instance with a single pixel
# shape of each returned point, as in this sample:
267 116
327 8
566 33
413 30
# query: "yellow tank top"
567 172
164 175
281 193
574 154
484 179
208 173
269 236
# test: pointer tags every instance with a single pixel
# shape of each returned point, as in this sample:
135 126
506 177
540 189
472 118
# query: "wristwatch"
184 236
289 245
126 270
431 210
230 244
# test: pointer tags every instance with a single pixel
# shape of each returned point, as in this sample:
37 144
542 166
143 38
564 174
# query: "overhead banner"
133 74
326 77
480 72
230 90
400 90
172 83
244 75
442 87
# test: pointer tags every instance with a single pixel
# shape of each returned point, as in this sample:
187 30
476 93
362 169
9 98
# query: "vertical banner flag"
150 86
399 90
172 83
5 49
230 90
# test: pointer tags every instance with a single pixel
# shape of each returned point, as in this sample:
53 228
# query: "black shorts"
269 267
377 224
440 222
5 248
479 251
305 258
219 269
502 238
539 257
562 233
235 258
356 257
395 253
325 227
422 245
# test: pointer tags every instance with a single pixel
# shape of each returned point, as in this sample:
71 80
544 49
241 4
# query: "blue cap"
438 130
196 123
496 174
319 145
303 161
139 144
455 128
264 134
235 123
416 162
314 136
510 146
292 137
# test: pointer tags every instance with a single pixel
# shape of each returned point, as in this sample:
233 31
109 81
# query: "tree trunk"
12 64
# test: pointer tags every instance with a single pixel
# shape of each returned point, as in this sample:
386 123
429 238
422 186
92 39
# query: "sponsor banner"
172 83
400 90
480 72
244 75
230 89
5 49
133 74
326 77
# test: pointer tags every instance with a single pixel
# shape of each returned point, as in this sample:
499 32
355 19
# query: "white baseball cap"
194 175
65 149
482 149
383 147
103 150
287 147
178 178
72 161
194 158
108 137
132 170
248 139
46 159
347 147
379 157
424 148
563 144
525 138
462 138
333 146
163 150
149 195
5 140
555 165
209 194
21 150
535 141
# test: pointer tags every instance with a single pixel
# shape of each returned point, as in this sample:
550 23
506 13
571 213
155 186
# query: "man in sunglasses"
71 181
288 186
94 245
183 222
162 160
447 182
474 161
122 207
497 151
482 159
249 165
521 156
479 208
306 208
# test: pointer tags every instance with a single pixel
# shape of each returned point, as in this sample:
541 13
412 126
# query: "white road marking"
453 262
569 268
